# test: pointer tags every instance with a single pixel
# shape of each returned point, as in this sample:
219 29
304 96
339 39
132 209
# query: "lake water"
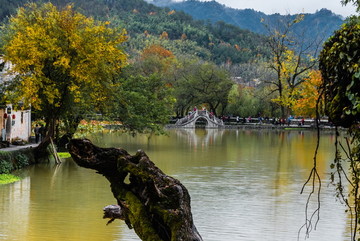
244 185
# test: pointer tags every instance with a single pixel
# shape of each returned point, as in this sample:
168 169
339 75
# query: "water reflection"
15 208
244 185
60 203
200 138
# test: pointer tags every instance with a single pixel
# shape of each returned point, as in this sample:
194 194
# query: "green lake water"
244 185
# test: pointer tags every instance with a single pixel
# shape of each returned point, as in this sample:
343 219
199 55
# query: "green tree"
242 102
247 101
202 84
64 61
340 69
144 104
339 65
252 88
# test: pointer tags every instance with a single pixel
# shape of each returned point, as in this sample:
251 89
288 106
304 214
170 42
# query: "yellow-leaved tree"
65 62
309 93
292 60
291 79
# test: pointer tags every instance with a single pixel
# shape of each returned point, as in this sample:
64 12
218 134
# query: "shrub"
6 165
21 161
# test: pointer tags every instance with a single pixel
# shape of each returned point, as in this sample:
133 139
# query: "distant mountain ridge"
176 31
322 23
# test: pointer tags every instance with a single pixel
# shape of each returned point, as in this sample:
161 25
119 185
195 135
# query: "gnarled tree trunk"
157 206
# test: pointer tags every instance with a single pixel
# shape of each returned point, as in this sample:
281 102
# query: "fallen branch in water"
156 205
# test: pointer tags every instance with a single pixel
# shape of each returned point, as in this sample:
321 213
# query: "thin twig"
314 176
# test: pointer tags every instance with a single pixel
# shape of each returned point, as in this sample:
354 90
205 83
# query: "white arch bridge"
189 121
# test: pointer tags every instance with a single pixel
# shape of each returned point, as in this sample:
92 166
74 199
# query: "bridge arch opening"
201 122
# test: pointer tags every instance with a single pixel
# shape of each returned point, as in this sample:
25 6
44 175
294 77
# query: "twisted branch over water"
156 205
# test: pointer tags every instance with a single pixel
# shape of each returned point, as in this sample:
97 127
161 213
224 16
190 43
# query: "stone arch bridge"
190 120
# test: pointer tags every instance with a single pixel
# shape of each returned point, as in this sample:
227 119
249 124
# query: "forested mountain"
179 32
321 24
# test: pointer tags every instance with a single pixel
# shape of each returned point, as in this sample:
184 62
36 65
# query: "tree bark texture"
156 205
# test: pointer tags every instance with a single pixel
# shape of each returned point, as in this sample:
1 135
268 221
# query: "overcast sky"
290 6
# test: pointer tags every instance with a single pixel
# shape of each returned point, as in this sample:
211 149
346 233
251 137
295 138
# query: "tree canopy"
143 103
308 96
64 61
340 69
200 83
210 42
292 60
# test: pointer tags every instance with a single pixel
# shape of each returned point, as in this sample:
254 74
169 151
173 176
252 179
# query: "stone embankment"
256 123
16 157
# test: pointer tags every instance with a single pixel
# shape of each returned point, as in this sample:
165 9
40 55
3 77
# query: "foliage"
21 161
179 47
339 65
8 178
64 60
321 23
291 62
144 103
236 45
242 102
256 71
340 68
220 40
210 42
13 160
86 127
345 176
157 51
308 95
155 59
199 84
253 96
61 51
143 100
6 165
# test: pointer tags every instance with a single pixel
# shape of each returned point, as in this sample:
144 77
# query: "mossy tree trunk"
157 206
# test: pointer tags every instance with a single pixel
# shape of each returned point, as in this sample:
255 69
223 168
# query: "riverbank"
264 126
16 157
18 147
278 126
259 123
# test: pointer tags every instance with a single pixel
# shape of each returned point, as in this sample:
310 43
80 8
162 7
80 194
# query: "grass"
64 154
8 178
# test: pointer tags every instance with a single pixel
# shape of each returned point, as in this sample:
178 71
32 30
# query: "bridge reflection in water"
200 138
190 120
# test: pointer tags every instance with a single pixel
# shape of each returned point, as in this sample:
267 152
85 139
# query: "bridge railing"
199 113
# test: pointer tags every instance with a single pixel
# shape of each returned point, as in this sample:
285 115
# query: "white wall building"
14 124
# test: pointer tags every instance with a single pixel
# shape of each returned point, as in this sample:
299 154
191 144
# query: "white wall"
20 126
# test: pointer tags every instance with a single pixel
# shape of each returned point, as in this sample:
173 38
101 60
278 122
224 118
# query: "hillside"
321 24
177 31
